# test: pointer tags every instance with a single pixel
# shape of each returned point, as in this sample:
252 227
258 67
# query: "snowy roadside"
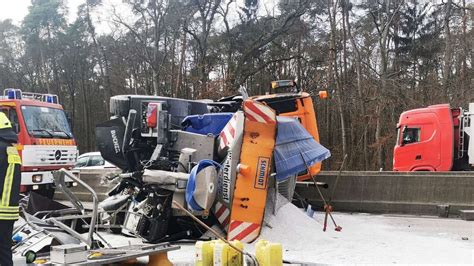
364 239
368 239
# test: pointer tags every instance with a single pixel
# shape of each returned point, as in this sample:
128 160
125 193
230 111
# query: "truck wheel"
120 105
46 191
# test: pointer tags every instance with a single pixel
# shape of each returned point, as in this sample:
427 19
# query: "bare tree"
448 49
382 19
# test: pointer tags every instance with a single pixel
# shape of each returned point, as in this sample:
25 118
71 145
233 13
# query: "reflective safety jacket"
10 178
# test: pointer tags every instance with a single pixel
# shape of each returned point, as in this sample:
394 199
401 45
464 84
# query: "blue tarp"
206 124
293 143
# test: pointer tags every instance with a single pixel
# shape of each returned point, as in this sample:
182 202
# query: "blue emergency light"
12 94
50 98
17 94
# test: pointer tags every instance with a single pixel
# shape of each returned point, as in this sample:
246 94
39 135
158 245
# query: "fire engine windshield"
45 122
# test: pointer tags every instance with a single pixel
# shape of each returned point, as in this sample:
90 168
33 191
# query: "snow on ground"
371 238
364 239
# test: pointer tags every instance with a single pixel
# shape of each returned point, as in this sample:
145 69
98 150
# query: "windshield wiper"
65 133
43 130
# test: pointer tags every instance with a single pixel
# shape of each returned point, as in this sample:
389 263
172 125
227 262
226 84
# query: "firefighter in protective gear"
10 178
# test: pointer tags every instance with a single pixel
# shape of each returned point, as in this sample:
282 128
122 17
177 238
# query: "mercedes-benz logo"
57 155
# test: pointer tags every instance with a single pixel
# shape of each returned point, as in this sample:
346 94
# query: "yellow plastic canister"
225 255
268 253
204 253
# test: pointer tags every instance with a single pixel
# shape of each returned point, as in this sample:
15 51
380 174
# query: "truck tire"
120 105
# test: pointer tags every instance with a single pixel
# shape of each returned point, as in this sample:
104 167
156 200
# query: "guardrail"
394 192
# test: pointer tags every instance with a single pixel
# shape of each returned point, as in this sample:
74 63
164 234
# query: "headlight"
38 178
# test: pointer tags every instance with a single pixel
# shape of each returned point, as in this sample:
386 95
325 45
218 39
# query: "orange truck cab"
45 140
288 100
435 138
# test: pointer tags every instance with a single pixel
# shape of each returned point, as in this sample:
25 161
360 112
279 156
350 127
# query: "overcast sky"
17 9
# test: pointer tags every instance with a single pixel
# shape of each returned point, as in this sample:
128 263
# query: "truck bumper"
29 178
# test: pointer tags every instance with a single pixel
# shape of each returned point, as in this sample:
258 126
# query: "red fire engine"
45 140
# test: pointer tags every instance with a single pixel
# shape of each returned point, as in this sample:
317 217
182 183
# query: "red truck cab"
45 140
428 139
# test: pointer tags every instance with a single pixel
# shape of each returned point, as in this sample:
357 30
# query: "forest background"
376 58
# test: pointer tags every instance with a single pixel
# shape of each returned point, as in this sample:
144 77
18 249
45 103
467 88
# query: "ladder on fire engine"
462 125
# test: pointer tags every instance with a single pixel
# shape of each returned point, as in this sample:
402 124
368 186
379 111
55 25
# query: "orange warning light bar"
323 94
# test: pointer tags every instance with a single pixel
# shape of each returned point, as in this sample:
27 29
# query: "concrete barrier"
395 192
94 178
422 193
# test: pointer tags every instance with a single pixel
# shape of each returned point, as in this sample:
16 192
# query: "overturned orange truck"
298 104
218 159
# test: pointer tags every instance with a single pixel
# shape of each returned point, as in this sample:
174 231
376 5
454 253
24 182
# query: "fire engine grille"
49 155
58 156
